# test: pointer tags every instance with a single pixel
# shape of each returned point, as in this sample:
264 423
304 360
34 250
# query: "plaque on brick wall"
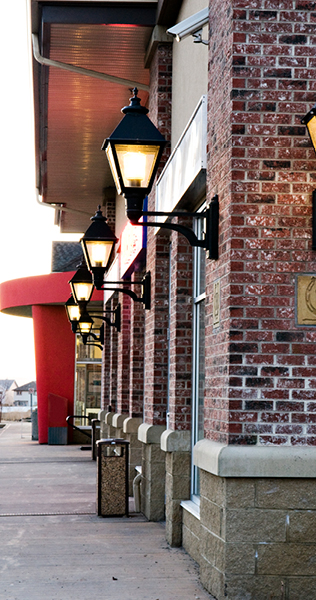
216 304
306 300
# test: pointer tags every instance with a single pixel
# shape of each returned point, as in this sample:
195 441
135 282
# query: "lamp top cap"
71 301
82 275
134 105
98 215
99 229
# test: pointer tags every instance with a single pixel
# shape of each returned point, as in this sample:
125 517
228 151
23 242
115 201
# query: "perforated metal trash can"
112 478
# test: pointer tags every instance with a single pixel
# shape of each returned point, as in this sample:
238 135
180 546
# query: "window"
88 380
198 374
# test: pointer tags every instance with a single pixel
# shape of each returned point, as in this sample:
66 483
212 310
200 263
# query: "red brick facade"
113 358
123 355
156 320
260 383
105 371
136 380
180 332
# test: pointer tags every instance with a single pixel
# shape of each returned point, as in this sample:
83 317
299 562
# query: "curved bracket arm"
211 216
93 344
186 231
117 320
145 283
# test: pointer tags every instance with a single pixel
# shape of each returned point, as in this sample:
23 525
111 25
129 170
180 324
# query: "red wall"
55 361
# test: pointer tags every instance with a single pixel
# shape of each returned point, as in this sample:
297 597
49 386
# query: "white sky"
26 229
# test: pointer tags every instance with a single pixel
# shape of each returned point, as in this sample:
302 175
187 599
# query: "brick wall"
113 358
136 381
260 385
123 355
180 331
105 371
156 320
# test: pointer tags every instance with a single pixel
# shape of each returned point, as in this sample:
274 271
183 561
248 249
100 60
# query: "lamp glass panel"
99 253
73 312
137 163
82 291
111 160
85 326
311 126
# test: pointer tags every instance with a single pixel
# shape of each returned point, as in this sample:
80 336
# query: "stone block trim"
255 534
191 535
261 369
153 482
259 461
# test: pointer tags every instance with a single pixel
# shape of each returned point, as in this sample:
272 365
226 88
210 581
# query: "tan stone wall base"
130 428
256 538
153 482
107 430
178 466
191 535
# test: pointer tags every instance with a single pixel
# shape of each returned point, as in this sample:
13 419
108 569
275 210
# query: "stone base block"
153 482
257 537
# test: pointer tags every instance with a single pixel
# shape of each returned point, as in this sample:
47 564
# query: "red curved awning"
17 296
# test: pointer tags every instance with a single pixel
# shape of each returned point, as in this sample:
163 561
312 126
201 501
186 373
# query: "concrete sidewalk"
54 547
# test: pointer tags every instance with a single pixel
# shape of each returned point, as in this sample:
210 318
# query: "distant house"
26 395
7 387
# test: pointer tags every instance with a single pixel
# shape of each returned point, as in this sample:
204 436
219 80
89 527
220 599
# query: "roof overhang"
75 112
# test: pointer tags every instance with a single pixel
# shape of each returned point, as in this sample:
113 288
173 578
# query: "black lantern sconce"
99 339
83 323
81 285
134 150
86 329
73 313
97 244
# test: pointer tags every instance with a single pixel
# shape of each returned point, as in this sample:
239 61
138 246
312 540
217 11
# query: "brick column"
260 365
137 327
105 373
158 254
180 331
261 396
113 360
123 356
156 320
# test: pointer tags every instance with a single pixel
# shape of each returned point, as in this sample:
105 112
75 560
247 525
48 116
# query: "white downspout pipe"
59 207
82 71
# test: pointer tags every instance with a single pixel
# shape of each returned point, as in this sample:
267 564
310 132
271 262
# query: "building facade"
214 386
7 391
26 395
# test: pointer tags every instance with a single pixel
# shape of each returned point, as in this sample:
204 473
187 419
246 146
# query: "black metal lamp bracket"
211 216
145 283
99 338
117 320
